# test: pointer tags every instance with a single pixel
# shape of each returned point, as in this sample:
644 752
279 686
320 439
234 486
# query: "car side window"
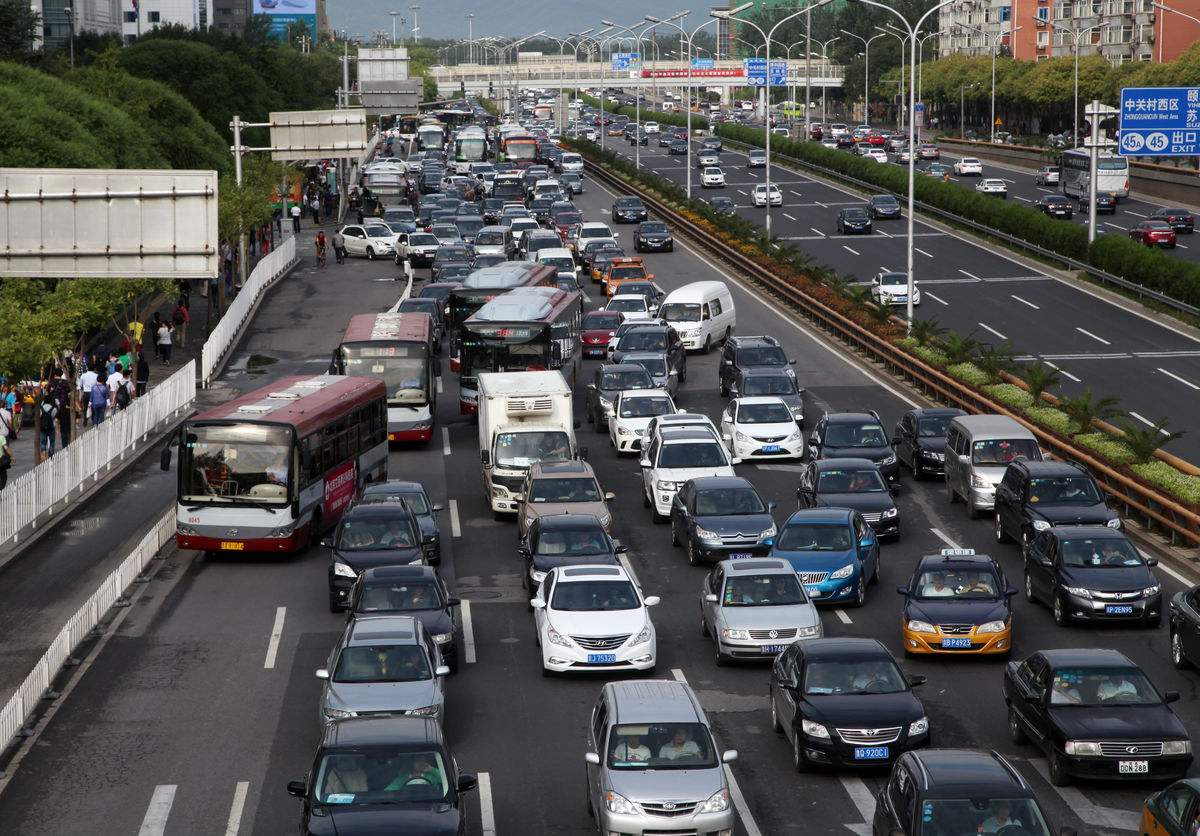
599 717
953 440
706 312
547 587
1012 481
715 307
717 580
1175 802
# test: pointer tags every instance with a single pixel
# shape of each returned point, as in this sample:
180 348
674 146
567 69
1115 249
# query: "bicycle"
321 257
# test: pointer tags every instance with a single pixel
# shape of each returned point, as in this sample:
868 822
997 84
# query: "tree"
1145 441
1085 408
959 348
1038 378
20 26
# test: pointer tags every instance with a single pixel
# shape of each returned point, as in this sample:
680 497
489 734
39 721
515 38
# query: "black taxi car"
957 602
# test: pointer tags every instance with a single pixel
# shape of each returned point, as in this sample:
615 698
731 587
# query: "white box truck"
524 417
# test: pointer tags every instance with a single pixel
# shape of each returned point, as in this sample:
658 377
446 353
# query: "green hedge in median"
662 117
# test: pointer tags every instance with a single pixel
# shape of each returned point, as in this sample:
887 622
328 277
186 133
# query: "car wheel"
704 627
860 595
707 345
370 253
1177 658
690 548
798 761
776 726
720 658
1058 770
1030 595
1015 733
674 535
724 390
601 425
1060 612
334 604
1001 537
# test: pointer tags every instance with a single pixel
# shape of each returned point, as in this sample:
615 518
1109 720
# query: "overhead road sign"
756 72
682 72
1160 121
312 134
703 64
624 60
108 224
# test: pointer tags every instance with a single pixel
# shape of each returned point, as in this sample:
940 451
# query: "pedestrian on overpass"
141 375
59 390
315 206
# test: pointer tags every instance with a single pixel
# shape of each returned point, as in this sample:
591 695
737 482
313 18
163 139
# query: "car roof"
937 412
706 483
681 434
967 772
850 417
621 367
399 573
368 731
819 515
388 629
599 572
566 467
1049 468
955 561
753 400
843 647
389 510
1086 656
759 565
398 485
1086 532
848 461
653 701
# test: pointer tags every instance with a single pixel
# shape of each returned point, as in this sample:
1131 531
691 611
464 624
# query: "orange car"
621 270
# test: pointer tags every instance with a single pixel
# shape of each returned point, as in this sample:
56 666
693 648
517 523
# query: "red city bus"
269 471
484 285
519 149
397 348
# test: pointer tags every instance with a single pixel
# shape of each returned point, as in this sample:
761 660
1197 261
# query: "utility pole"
1096 112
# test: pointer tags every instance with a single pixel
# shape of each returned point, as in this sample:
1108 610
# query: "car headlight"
619 804
1150 590
1177 747
443 638
916 626
1115 522
425 711
718 802
796 436
890 512
537 575
623 431
740 436
644 636
845 572
555 637
767 533
978 481
918 727
735 635
707 536
889 460
667 486
809 632
605 402
338 714
1080 747
990 627
343 570
1078 591
1040 525
606 519
814 729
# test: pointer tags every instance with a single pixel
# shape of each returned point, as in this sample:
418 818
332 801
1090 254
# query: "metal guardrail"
37 686
1178 521
982 229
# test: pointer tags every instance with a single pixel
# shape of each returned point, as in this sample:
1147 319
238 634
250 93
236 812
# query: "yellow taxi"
957 602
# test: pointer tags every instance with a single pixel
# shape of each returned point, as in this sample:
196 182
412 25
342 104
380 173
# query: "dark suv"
369 535
743 353
662 339
609 380
629 210
1036 496
920 440
851 483
858 435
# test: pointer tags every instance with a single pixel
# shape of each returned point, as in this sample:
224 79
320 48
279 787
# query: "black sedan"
629 210
1185 628
410 590
1056 206
677 147
920 439
1106 204
884 206
723 205
721 518
851 483
564 540
414 496
1095 714
858 435
368 535
853 219
1180 220
653 236
845 702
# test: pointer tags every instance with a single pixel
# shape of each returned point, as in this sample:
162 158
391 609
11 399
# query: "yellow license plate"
232 547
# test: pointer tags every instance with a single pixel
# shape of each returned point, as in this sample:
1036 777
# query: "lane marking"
742 191
468 632
1116 226
936 298
885 234
922 252
851 251
819 232
1091 814
969 275
1024 301
1139 214
1180 379
842 616
276 635
1093 336
678 674
789 217
445 441
1182 246
987 327
439 384
487 814
1062 371
1018 197
860 796
155 821
455 530
950 543
235 810
1145 420
819 203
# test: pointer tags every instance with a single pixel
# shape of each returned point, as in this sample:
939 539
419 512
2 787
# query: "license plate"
812 590
774 648
601 658
739 555
772 448
1133 767
1118 609
863 753
956 642
232 547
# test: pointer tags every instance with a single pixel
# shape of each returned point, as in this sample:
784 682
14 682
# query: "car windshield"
643 341
1064 490
416 500
379 775
613 381
854 676
761 356
1102 686
692 454
762 591
933 427
999 452
379 232
961 584
521 449
653 229
773 384
720 502
661 746
1105 553
645 407
656 366
565 489
363 534
815 537
628 271
594 596
382 663
627 305
422 239
394 596
855 435
601 321
680 312
568 218
1004 816
563 263
595 232
763 413
850 481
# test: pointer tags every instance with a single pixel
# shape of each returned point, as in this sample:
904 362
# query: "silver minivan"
653 764
495 240
978 449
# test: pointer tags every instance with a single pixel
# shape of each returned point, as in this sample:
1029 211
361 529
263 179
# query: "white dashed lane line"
1093 336
1145 420
276 635
922 252
445 441
937 298
987 327
455 528
850 250
234 824
843 616
1025 301
1180 379
1062 371
945 539
464 612
154 823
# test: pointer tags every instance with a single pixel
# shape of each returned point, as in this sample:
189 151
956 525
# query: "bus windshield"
471 150
403 369
481 354
521 150
235 463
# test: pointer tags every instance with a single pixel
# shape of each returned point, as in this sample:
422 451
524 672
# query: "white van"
701 313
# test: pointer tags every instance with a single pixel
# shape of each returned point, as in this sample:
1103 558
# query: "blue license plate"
774 648
873 753
812 590
739 555
956 643
1118 609
601 658
772 448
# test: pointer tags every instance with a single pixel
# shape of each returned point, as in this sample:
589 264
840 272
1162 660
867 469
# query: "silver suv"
652 763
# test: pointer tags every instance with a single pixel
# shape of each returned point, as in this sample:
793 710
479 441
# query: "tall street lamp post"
866 42
1076 35
995 48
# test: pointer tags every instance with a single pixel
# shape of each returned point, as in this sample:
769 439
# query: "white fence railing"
20 706
38 492
225 334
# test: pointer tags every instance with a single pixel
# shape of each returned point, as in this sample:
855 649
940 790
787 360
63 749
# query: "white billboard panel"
313 134
382 65
100 223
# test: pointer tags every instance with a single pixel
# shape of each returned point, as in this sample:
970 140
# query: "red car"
1152 233
597 329
815 133
876 140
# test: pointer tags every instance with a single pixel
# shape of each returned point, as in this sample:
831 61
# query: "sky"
448 18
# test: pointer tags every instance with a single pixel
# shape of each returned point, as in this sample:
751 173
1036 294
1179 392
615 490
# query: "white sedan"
593 618
761 428
876 154
371 240
632 412
968 165
712 178
992 185
761 192
633 306
891 288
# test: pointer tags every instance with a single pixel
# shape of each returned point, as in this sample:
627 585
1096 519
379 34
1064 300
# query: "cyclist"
320 242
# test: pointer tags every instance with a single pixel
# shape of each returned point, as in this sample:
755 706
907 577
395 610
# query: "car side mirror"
894 489
485 458
322 673
772 505
441 670
1034 699
964 460
299 789
644 462
1067 831
1010 592
729 756
865 542
466 783
1171 696
895 440
164 458
592 758
735 460
652 601
436 507
523 550
917 679
791 362
454 602
711 597
327 542
537 603
609 496
902 590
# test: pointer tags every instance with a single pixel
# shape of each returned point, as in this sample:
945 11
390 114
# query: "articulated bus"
1112 174
524 330
484 285
396 348
470 146
269 471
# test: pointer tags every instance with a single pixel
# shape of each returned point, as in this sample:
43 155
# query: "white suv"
712 178
676 456
968 165
760 195
889 288
632 412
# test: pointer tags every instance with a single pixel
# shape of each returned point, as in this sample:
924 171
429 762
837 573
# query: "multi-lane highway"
203 704
1096 340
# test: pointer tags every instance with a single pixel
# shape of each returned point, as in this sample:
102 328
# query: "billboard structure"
281 13
316 134
383 83
101 223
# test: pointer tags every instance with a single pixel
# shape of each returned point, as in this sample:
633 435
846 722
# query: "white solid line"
445 441
454 527
851 251
1024 301
1093 336
235 810
864 802
1062 371
155 821
922 252
969 275
276 635
987 327
944 538
468 632
486 814
842 616
439 384
1180 379
789 217
936 298
677 673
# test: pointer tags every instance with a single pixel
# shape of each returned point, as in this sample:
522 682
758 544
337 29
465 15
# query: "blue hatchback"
833 550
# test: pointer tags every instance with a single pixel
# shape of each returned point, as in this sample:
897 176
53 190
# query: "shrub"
1039 377
970 373
1107 447
1051 418
1086 407
931 355
1010 394
1144 441
1162 475
959 348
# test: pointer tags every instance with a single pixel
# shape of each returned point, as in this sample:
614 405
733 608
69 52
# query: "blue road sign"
1160 121
756 72
623 60
703 64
